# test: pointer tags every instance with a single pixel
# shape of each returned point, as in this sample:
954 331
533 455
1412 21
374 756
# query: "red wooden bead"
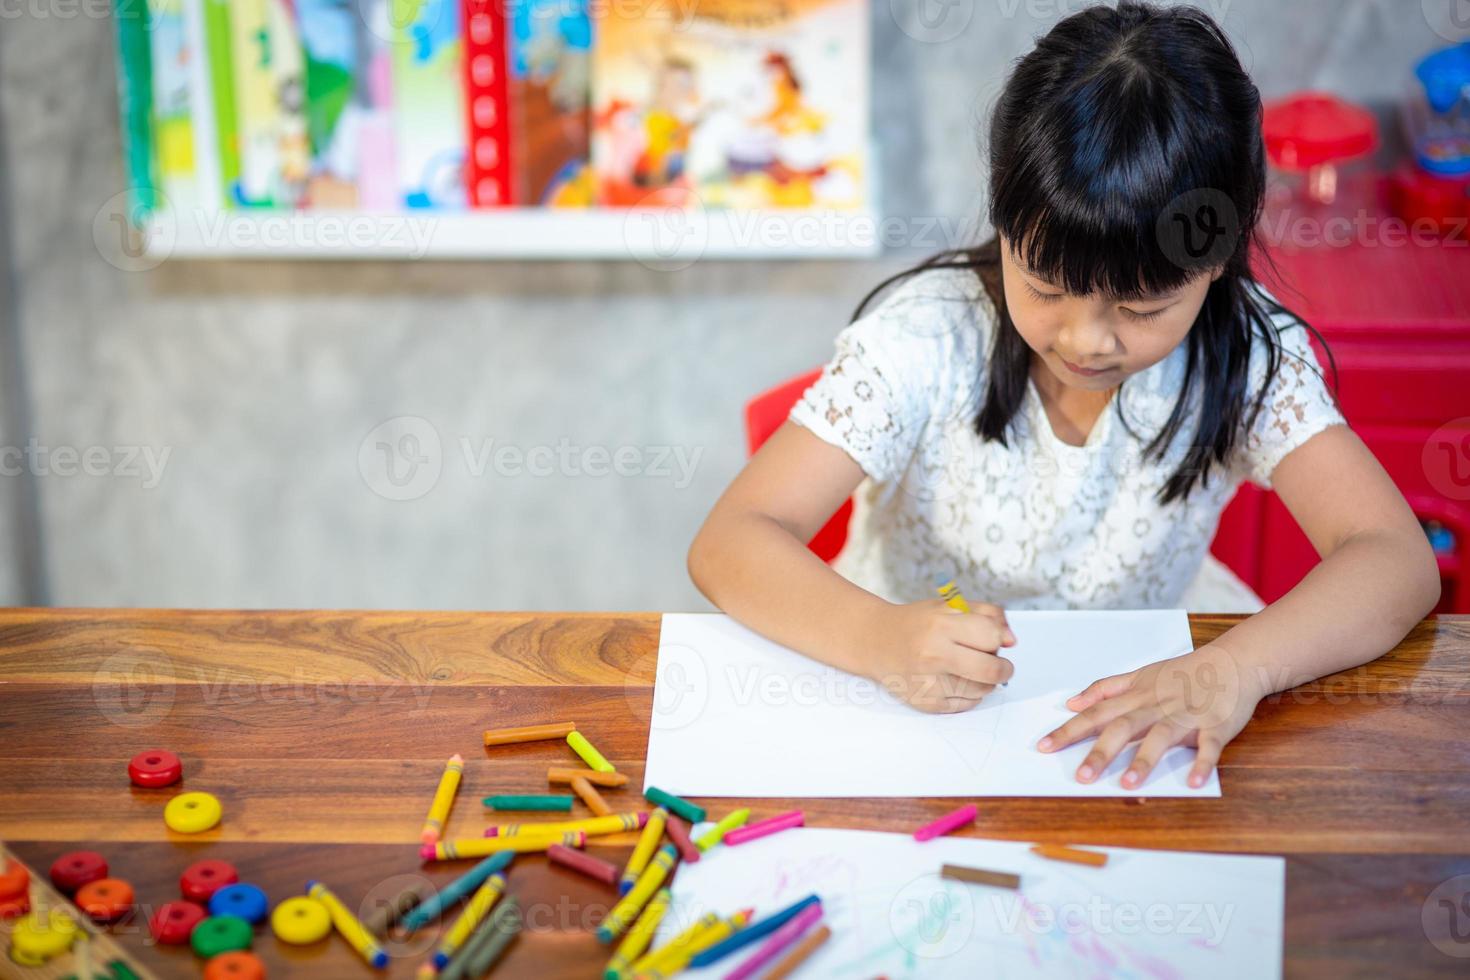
106 899
173 922
14 880
156 767
202 879
75 868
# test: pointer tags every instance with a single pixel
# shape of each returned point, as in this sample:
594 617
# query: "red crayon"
678 832
950 821
752 831
590 866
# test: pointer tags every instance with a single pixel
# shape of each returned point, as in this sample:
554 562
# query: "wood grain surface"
324 734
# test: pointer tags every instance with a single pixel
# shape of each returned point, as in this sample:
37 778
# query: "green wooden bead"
221 934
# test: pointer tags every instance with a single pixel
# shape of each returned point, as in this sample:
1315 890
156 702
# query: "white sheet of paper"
737 715
1161 915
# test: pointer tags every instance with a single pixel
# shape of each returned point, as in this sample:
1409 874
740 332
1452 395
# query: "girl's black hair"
1126 159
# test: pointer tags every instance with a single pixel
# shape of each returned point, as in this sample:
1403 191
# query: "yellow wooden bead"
42 935
192 813
301 921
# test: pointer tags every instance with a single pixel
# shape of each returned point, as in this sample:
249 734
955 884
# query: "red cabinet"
1397 319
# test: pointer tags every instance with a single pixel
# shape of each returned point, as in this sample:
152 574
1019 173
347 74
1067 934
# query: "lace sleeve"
892 370
1297 406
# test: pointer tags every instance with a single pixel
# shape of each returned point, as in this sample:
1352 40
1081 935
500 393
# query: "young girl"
1058 417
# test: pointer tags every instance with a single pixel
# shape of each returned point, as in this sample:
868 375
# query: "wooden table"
324 734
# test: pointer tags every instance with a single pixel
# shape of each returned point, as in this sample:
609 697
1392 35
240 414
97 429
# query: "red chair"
763 415
1234 544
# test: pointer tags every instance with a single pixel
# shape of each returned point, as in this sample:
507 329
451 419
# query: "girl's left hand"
1203 699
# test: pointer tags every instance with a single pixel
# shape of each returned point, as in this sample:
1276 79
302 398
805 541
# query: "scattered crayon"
588 865
591 797
643 850
752 932
950 593
628 907
778 941
474 913
431 907
1059 852
761 828
950 821
675 956
717 833
474 847
799 954
396 907
642 967
636 941
506 928
560 802
443 799
489 933
979 876
613 823
530 733
607 780
588 754
694 814
678 832
348 926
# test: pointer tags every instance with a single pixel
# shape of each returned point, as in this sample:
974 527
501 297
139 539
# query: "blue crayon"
751 933
433 906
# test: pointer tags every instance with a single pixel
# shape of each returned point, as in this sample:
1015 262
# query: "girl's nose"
1088 338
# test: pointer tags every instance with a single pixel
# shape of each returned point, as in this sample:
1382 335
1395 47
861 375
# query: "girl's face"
1092 342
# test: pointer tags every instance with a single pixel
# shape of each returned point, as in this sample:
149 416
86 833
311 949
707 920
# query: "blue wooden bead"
243 900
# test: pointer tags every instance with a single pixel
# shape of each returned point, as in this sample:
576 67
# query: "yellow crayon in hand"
443 799
348 925
951 594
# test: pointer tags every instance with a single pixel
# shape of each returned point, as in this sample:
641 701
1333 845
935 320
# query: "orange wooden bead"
14 880
236 965
106 899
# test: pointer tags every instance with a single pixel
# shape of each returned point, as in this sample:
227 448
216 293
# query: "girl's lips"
1085 372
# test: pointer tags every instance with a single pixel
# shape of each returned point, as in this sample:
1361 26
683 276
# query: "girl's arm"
750 558
1377 578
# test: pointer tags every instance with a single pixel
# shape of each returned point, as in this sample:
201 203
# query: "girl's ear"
1215 276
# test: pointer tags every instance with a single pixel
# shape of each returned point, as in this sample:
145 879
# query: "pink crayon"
761 828
780 939
950 821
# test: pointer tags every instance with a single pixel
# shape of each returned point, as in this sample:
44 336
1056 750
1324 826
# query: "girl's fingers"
1098 690
956 686
999 616
1115 735
1085 723
953 705
1160 739
980 666
978 633
1210 746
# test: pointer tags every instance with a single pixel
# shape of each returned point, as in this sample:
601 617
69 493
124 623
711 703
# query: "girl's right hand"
939 659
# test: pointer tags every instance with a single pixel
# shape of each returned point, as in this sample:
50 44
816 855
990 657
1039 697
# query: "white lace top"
1038 524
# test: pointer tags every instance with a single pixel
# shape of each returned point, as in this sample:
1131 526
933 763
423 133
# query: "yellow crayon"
474 913
443 799
347 924
638 937
951 595
675 954
717 833
589 755
478 847
632 903
613 823
653 831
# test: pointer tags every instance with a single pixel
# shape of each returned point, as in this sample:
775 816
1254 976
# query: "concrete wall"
262 380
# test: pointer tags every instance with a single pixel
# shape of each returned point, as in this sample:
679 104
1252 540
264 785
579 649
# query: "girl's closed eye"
1038 295
1142 314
